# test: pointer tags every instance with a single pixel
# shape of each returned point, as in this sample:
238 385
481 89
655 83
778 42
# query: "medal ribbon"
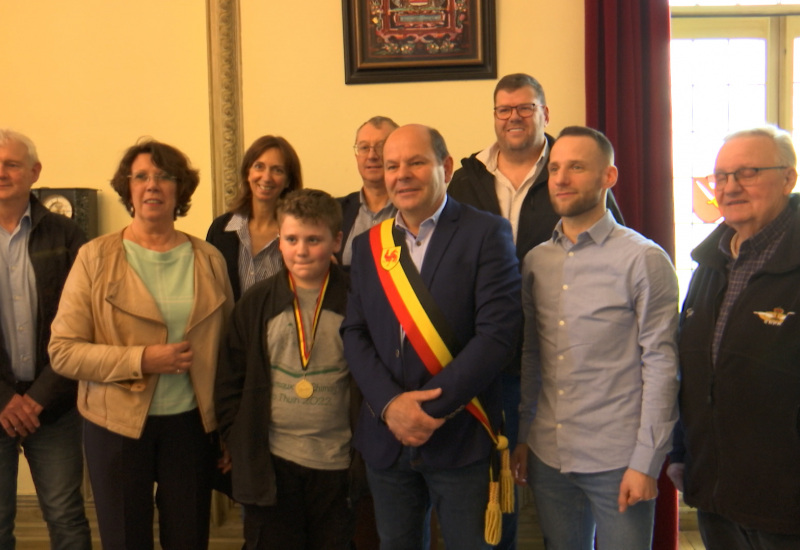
424 323
306 344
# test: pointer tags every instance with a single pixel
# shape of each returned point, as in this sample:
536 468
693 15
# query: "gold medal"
304 389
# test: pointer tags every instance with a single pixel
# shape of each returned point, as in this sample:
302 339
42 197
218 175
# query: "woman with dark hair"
139 325
247 235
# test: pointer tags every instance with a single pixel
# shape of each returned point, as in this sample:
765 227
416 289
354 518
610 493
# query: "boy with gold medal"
283 389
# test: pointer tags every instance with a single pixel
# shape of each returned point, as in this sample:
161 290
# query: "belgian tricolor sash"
432 338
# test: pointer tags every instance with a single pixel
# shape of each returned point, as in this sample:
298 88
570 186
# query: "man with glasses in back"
509 178
737 453
370 205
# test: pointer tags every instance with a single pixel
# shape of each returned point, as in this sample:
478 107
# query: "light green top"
169 277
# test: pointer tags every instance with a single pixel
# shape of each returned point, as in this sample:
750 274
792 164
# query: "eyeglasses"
524 110
362 149
744 176
144 177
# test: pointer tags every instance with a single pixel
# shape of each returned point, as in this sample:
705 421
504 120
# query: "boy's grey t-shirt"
313 432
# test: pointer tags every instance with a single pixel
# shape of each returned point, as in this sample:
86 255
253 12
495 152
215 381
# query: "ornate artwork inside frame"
417 40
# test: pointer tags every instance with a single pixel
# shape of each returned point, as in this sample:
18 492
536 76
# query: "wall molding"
225 99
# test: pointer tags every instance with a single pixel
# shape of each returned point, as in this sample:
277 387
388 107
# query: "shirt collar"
433 220
236 222
363 202
760 240
489 157
598 233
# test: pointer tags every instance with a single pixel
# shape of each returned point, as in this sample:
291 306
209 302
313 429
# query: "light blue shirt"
599 365
18 298
418 244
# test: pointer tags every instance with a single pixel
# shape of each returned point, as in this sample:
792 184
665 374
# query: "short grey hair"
377 122
781 138
7 136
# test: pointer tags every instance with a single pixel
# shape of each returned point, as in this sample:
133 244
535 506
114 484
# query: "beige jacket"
105 319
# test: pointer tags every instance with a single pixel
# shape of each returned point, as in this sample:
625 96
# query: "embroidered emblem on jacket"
776 317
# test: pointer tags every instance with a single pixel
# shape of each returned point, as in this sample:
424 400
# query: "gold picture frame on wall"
418 40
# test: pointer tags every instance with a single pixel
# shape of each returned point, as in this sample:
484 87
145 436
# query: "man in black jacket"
37 406
738 457
509 178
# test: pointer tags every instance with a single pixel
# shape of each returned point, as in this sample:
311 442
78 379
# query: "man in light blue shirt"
599 365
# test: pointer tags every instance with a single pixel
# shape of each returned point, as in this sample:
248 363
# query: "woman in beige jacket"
139 325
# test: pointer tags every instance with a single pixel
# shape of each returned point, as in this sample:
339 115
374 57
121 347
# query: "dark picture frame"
418 40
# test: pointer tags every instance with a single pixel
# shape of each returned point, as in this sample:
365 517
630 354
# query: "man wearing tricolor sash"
432 317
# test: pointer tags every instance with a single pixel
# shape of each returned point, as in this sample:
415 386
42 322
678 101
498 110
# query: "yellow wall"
85 82
294 82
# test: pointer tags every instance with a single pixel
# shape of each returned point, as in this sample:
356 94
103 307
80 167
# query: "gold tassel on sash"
494 526
506 483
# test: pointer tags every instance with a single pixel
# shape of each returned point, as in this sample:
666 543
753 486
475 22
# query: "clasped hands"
411 425
167 358
20 416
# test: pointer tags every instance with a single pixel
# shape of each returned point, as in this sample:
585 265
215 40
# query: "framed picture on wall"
418 40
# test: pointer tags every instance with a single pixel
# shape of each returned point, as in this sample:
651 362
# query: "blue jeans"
405 492
720 533
56 461
572 505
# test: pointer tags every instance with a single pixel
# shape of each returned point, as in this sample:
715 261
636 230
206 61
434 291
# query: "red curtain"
628 99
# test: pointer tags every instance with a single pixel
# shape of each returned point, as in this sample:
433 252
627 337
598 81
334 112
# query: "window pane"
718 85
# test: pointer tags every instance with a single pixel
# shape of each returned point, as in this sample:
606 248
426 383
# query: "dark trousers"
720 533
311 512
175 454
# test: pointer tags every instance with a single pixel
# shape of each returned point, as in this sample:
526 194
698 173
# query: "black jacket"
227 242
52 247
243 388
350 205
741 416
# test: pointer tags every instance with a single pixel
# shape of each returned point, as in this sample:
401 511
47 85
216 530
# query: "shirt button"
560 358
418 243
558 426
570 254
560 392
397 353
561 323
564 287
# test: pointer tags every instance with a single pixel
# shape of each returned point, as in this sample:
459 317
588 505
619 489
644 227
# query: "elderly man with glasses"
509 178
369 205
738 456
